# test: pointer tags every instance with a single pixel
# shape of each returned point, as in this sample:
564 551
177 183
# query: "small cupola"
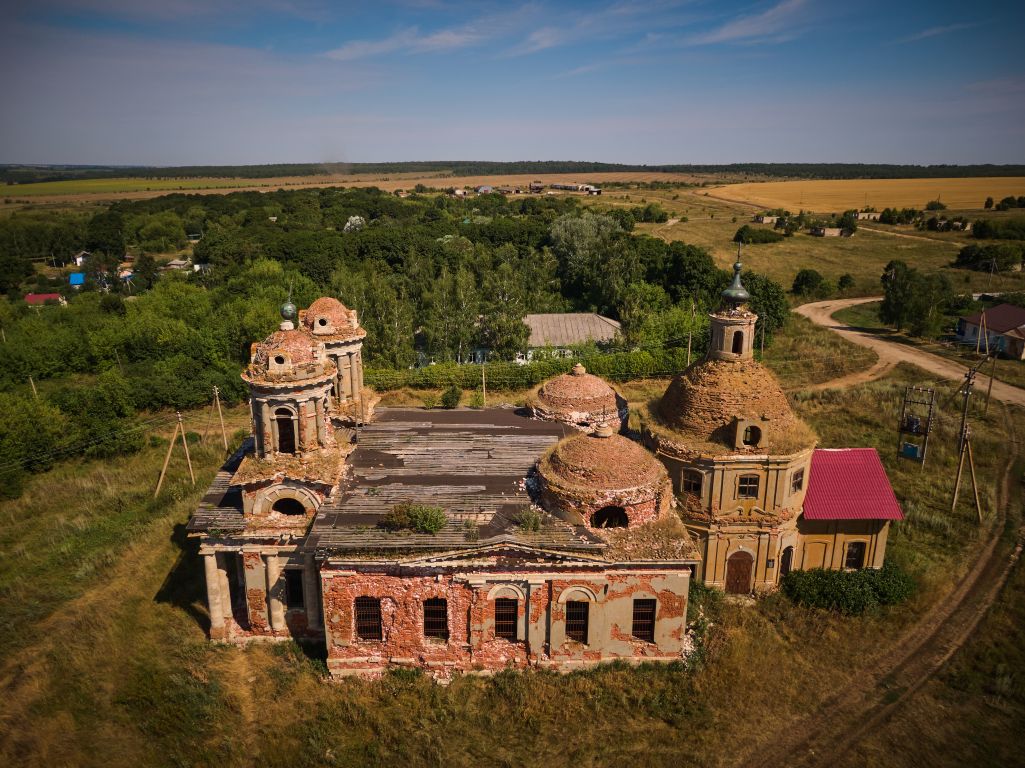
733 325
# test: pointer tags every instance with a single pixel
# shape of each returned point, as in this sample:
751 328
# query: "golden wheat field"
827 196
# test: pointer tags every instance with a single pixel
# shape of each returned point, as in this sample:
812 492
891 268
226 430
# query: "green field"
104 657
111 186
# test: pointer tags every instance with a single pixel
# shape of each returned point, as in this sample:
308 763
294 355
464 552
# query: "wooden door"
738 573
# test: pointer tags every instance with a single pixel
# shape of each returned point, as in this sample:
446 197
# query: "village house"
559 332
39 299
999 329
557 541
826 231
868 215
763 218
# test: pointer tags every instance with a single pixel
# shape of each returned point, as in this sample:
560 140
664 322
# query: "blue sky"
654 81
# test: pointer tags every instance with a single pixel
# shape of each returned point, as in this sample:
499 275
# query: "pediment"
505 553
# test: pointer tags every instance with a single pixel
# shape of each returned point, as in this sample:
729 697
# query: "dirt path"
892 352
896 673
952 243
888 681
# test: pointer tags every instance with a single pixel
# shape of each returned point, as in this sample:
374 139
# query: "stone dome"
704 403
329 317
585 474
580 399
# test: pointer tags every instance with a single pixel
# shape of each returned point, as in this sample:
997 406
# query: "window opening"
294 589
576 620
738 343
506 615
797 481
286 432
855 559
610 517
786 562
436 618
368 618
752 436
644 620
289 506
692 483
747 487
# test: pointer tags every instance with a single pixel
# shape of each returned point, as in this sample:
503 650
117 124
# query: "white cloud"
772 25
935 31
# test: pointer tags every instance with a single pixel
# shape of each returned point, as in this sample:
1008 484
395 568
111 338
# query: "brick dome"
584 478
580 399
329 317
287 354
704 402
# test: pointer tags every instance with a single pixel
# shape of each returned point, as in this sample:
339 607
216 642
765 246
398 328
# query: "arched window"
610 517
286 430
752 436
738 342
506 617
288 506
786 561
577 615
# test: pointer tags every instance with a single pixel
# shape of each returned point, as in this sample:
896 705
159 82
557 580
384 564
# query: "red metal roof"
41 298
999 319
849 484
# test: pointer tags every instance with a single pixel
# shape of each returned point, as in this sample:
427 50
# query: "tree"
145 273
898 286
848 222
935 205
846 282
105 234
808 282
989 203
502 328
640 302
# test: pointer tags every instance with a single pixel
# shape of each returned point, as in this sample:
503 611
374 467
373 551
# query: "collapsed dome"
580 399
329 317
287 354
603 480
704 404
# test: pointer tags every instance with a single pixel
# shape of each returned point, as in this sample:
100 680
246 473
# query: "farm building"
763 218
478 540
1000 328
826 231
868 215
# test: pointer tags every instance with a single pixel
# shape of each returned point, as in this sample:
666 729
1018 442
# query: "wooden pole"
220 416
975 485
167 460
989 389
34 390
185 445
957 482
483 386
3 333
118 358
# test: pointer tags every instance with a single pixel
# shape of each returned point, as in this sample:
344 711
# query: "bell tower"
733 324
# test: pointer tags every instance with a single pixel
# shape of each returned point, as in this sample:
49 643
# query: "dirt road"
891 351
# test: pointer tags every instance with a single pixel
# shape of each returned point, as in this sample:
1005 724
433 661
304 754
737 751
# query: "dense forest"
25 174
433 277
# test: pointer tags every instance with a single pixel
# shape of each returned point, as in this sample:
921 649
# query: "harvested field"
98 190
834 196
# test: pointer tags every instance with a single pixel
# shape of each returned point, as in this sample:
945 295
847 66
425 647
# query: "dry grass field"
99 190
834 196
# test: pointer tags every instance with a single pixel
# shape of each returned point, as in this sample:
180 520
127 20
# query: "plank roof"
568 328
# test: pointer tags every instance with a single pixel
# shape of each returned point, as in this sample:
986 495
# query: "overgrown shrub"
420 518
752 236
529 519
451 396
430 400
848 592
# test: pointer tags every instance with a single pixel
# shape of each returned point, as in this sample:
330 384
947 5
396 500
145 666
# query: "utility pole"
967 392
118 358
483 386
989 387
220 416
34 390
179 428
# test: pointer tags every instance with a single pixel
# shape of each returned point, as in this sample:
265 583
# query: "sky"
195 82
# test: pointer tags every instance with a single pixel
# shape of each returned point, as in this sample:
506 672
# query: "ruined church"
567 539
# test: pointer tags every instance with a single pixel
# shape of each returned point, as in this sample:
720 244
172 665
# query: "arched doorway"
738 573
286 430
610 517
786 561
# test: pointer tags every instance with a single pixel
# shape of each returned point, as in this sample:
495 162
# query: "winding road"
891 351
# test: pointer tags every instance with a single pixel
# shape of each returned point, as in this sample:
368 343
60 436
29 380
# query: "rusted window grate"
506 614
294 588
644 620
797 481
436 618
576 620
368 618
692 483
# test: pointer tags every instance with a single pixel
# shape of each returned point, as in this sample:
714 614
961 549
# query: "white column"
275 610
213 595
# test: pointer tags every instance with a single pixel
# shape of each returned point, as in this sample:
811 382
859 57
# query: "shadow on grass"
184 586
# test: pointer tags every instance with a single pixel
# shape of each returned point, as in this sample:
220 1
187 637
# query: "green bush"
752 236
415 517
529 519
451 396
430 400
848 592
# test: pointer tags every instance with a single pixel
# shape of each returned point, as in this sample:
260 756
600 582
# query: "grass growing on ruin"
116 670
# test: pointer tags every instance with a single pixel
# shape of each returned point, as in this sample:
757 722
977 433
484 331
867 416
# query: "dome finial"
736 294
288 312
